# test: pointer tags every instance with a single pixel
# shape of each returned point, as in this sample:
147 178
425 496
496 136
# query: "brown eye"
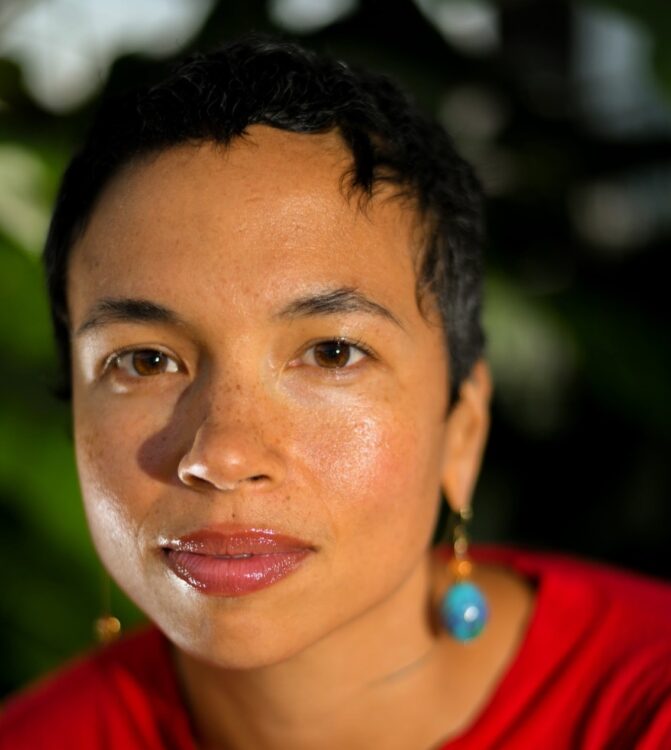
145 362
335 354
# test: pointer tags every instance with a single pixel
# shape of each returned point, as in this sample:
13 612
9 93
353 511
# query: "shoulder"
627 653
596 655
635 602
121 693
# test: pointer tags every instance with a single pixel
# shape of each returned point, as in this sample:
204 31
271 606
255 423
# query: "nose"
230 451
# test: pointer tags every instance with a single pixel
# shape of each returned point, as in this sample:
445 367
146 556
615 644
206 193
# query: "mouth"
219 562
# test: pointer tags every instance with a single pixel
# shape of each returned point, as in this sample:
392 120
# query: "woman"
265 278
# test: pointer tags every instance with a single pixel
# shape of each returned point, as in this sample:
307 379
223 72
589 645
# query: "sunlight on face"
248 354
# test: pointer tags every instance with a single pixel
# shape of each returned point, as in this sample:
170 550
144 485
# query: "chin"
247 632
224 656
225 646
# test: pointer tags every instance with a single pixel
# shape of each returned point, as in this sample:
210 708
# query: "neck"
346 690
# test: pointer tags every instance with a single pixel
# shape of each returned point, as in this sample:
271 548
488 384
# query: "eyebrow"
126 310
331 302
336 302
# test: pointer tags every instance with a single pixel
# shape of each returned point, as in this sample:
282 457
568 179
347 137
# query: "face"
259 363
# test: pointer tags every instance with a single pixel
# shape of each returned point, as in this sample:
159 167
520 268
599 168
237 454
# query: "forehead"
265 216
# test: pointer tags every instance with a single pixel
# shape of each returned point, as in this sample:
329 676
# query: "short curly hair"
263 80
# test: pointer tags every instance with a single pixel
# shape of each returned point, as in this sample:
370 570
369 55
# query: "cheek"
372 483
381 465
351 455
108 437
111 482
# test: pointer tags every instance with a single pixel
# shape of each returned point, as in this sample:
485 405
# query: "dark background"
564 109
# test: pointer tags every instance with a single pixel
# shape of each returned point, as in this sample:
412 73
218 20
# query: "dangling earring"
463 608
107 627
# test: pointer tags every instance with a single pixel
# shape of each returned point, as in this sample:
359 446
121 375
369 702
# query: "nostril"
193 480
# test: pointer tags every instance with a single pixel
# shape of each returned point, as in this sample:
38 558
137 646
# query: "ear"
466 432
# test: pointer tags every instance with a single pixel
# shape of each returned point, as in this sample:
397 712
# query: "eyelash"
353 343
112 361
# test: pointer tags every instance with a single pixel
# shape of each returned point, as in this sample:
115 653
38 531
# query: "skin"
245 425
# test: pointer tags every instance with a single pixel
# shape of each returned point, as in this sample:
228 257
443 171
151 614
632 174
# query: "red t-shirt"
593 672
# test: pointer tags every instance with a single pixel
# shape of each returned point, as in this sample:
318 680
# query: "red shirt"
593 672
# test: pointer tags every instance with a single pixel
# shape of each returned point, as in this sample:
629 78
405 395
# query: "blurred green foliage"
578 328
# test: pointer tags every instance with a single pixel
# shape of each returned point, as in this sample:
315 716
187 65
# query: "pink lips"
233 563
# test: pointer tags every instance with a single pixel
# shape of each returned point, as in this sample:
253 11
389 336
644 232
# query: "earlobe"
466 432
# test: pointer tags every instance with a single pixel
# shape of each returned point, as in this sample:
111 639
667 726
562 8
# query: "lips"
220 562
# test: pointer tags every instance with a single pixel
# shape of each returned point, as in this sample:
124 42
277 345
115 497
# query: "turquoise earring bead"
464 611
